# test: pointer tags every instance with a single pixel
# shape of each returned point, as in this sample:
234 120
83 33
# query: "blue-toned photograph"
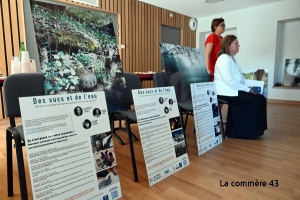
178 136
183 66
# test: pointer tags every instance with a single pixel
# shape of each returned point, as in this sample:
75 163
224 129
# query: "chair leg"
132 153
184 135
21 170
181 117
133 136
186 119
125 129
9 164
128 130
112 127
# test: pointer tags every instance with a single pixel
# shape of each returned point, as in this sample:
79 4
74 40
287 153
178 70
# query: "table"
146 77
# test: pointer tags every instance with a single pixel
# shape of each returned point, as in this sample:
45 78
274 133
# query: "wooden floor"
274 156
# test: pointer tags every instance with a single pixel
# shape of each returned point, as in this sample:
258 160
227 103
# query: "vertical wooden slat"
111 5
140 32
152 43
147 51
143 37
158 34
126 12
14 25
107 7
119 6
120 27
21 21
2 48
115 6
133 38
103 4
123 30
155 32
7 32
136 46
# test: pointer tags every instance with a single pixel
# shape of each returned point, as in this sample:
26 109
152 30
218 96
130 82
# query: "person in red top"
213 45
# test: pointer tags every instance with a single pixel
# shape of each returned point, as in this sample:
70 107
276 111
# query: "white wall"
256 29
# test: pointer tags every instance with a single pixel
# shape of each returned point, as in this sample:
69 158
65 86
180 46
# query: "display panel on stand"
162 136
70 149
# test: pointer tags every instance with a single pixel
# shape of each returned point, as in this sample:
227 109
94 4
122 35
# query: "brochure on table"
69 147
255 83
206 116
162 136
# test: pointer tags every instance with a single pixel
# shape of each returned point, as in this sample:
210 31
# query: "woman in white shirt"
247 114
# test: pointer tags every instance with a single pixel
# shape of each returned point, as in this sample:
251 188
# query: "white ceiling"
198 8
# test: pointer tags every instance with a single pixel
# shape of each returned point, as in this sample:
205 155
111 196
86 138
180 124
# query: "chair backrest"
160 79
21 85
133 81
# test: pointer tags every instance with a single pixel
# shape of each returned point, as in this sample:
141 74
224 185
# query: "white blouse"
228 77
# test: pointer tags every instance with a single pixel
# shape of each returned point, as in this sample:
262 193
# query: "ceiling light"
213 1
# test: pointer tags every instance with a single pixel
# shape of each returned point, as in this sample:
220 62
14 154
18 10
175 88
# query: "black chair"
185 107
133 82
15 86
160 79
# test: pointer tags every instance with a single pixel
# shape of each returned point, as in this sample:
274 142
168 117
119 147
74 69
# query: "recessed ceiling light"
213 1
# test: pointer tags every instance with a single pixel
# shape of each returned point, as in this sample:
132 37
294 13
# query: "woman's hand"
209 72
251 91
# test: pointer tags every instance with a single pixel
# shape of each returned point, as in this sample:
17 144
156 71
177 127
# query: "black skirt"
246 116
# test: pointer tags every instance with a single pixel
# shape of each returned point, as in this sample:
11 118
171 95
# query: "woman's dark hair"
216 22
225 44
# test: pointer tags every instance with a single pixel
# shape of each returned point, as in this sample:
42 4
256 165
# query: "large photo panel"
78 51
183 66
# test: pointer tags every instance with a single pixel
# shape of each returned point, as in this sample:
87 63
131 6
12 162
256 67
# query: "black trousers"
246 116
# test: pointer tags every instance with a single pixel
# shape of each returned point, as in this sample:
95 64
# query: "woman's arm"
208 49
226 66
